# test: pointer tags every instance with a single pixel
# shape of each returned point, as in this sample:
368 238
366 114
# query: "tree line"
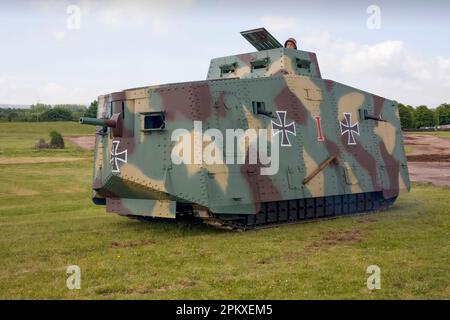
410 117
422 116
45 112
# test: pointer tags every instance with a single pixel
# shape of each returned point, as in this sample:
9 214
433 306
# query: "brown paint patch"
377 104
220 105
329 84
393 169
246 58
332 148
364 158
131 244
203 99
286 100
257 182
115 205
188 101
313 58
97 184
116 96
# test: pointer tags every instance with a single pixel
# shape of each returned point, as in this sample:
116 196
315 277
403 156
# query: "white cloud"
25 90
117 12
278 22
389 68
54 93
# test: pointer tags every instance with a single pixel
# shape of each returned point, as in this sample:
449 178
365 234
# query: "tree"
424 117
56 140
92 110
443 114
56 114
12 116
412 110
406 116
36 110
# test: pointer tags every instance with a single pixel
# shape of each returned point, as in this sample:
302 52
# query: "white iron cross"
117 156
347 127
284 128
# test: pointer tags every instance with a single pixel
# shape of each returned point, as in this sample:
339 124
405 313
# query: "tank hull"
342 142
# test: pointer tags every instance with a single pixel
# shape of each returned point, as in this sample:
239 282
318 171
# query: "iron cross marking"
117 156
348 128
284 128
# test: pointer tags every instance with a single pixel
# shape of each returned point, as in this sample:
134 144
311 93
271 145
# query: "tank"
263 141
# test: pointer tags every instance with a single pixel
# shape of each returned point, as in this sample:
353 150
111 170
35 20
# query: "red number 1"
319 129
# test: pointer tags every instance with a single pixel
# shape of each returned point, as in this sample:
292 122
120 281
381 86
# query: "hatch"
261 39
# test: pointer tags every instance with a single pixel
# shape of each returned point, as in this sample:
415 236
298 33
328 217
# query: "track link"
301 210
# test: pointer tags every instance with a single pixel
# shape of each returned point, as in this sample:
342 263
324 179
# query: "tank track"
301 211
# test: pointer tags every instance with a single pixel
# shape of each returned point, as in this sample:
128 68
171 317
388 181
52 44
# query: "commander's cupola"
271 59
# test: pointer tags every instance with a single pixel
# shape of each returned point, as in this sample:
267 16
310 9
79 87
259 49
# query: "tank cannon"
115 123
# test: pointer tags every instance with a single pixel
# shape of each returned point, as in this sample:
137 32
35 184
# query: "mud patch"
336 238
131 244
429 158
83 142
437 173
427 145
263 261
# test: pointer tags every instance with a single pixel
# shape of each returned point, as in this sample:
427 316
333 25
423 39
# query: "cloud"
388 68
119 13
26 90
55 93
278 22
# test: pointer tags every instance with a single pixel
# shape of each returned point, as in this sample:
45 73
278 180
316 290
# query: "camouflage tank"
265 140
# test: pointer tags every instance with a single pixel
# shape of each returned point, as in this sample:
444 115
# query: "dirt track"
429 160
84 142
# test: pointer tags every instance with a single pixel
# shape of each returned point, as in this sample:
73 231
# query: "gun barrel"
99 122
93 121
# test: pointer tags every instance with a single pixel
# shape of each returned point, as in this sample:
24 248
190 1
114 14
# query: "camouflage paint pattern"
149 184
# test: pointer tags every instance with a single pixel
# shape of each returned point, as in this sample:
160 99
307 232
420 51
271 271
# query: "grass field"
47 222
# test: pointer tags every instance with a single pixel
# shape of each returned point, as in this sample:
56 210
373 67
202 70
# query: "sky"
61 51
